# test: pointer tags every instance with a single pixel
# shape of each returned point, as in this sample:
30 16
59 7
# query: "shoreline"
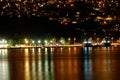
54 46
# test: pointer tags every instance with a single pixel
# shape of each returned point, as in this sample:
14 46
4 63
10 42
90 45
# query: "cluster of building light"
60 10
67 12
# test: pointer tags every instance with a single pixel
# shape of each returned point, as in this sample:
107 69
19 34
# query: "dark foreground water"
69 63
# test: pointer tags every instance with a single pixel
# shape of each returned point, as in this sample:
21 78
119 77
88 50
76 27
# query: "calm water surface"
68 63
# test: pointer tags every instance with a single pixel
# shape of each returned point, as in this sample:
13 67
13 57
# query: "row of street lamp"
53 41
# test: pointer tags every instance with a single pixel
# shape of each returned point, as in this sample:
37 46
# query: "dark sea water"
68 63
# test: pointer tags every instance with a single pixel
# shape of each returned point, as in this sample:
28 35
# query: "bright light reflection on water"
72 63
4 66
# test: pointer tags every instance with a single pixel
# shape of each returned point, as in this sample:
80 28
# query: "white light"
87 42
103 42
45 41
39 41
33 41
26 41
108 41
5 42
51 41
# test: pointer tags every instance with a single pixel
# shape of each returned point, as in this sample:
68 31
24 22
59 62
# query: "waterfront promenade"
45 46
52 46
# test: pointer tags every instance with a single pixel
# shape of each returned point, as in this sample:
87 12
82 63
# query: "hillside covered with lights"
60 18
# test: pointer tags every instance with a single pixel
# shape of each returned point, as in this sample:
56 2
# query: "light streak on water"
72 63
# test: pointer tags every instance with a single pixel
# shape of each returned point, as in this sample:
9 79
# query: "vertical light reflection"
40 65
86 52
46 70
73 69
33 64
47 77
61 71
61 50
52 53
87 71
70 68
39 50
109 64
51 50
75 49
52 69
76 70
4 65
52 64
26 51
69 50
26 65
40 70
87 63
33 50
102 64
115 63
105 48
46 51
4 53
